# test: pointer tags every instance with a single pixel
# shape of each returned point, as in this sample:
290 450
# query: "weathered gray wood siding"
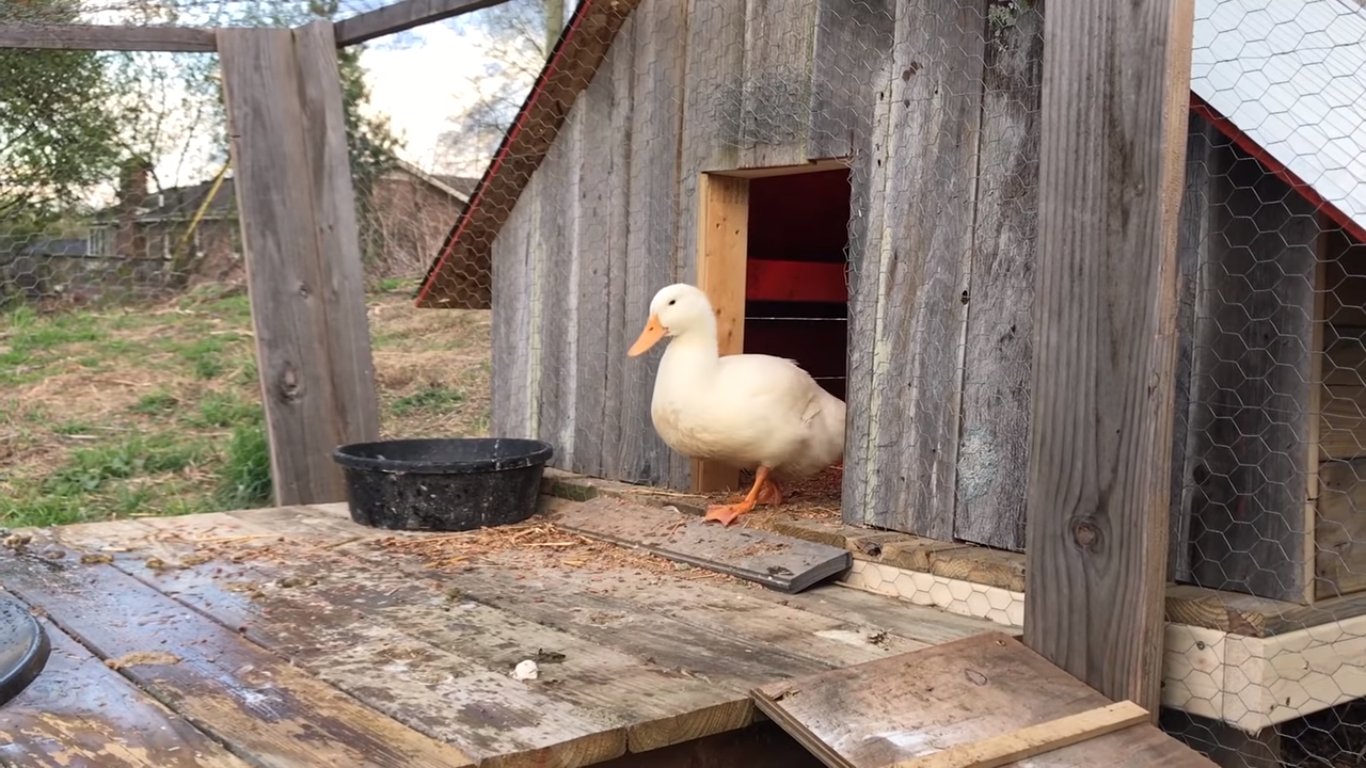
610 217
935 108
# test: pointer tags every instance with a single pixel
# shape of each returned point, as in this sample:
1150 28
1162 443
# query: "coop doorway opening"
773 257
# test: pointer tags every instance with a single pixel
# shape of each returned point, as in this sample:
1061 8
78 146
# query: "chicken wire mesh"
1267 451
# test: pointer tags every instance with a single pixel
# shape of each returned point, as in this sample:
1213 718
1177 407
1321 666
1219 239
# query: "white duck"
754 412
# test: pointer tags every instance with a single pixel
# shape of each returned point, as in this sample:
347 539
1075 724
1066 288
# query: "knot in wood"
304 291
289 385
1086 533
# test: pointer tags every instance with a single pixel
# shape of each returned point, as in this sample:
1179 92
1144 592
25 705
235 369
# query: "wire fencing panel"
1268 493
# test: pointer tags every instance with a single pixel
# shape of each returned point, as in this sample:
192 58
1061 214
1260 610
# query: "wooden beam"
92 37
1034 740
302 253
402 16
1116 81
722 253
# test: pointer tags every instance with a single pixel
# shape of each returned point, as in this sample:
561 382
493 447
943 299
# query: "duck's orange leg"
769 495
727 513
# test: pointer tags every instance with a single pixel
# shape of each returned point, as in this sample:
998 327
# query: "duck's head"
677 310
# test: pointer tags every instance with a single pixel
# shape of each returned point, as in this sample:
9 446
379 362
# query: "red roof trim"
555 60
1225 126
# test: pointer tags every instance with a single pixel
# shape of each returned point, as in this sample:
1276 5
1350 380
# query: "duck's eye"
673 302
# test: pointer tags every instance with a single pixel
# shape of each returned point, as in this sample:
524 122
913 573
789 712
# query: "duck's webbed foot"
726 514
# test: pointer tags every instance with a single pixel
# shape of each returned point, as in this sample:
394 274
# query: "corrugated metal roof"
1291 74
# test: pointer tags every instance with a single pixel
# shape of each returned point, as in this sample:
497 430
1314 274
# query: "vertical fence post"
299 232
1115 92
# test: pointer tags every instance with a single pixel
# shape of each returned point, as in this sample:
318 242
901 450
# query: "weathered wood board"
80 712
852 39
1105 339
993 453
216 681
263 625
302 253
777 562
923 267
920 703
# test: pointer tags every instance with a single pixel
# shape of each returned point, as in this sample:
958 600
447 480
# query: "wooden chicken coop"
805 163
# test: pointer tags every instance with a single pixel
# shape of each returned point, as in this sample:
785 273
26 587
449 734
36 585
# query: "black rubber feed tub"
24 649
454 484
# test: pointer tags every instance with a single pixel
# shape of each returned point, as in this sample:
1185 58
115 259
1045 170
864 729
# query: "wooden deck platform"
292 637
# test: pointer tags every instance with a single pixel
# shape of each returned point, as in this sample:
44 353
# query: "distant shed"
875 168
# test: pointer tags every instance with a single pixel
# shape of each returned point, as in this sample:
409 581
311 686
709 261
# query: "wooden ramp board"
778 562
973 702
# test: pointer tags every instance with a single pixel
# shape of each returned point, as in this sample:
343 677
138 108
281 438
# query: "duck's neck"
690 360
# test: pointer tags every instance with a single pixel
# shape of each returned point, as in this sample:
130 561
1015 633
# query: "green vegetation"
157 410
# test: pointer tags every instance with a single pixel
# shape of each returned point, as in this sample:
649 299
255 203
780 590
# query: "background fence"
127 351
902 264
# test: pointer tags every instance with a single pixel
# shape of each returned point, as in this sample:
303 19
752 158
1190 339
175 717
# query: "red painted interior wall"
796 299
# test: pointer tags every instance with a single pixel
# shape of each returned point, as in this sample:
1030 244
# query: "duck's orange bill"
648 338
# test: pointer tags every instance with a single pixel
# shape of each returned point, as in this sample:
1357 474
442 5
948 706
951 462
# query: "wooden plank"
776 91
1252 389
555 301
993 450
868 174
901 707
291 294
927 227
657 89
511 331
722 264
815 281
951 560
846 61
599 245
1340 529
1192 254
782 630
777 562
92 37
1034 740
255 703
1253 616
1103 382
621 317
341 287
79 712
590 703
402 16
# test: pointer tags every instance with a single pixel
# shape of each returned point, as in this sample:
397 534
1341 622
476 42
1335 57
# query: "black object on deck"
439 484
24 649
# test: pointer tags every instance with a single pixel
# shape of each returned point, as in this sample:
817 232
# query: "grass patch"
433 398
90 468
156 410
219 409
244 478
205 357
156 404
